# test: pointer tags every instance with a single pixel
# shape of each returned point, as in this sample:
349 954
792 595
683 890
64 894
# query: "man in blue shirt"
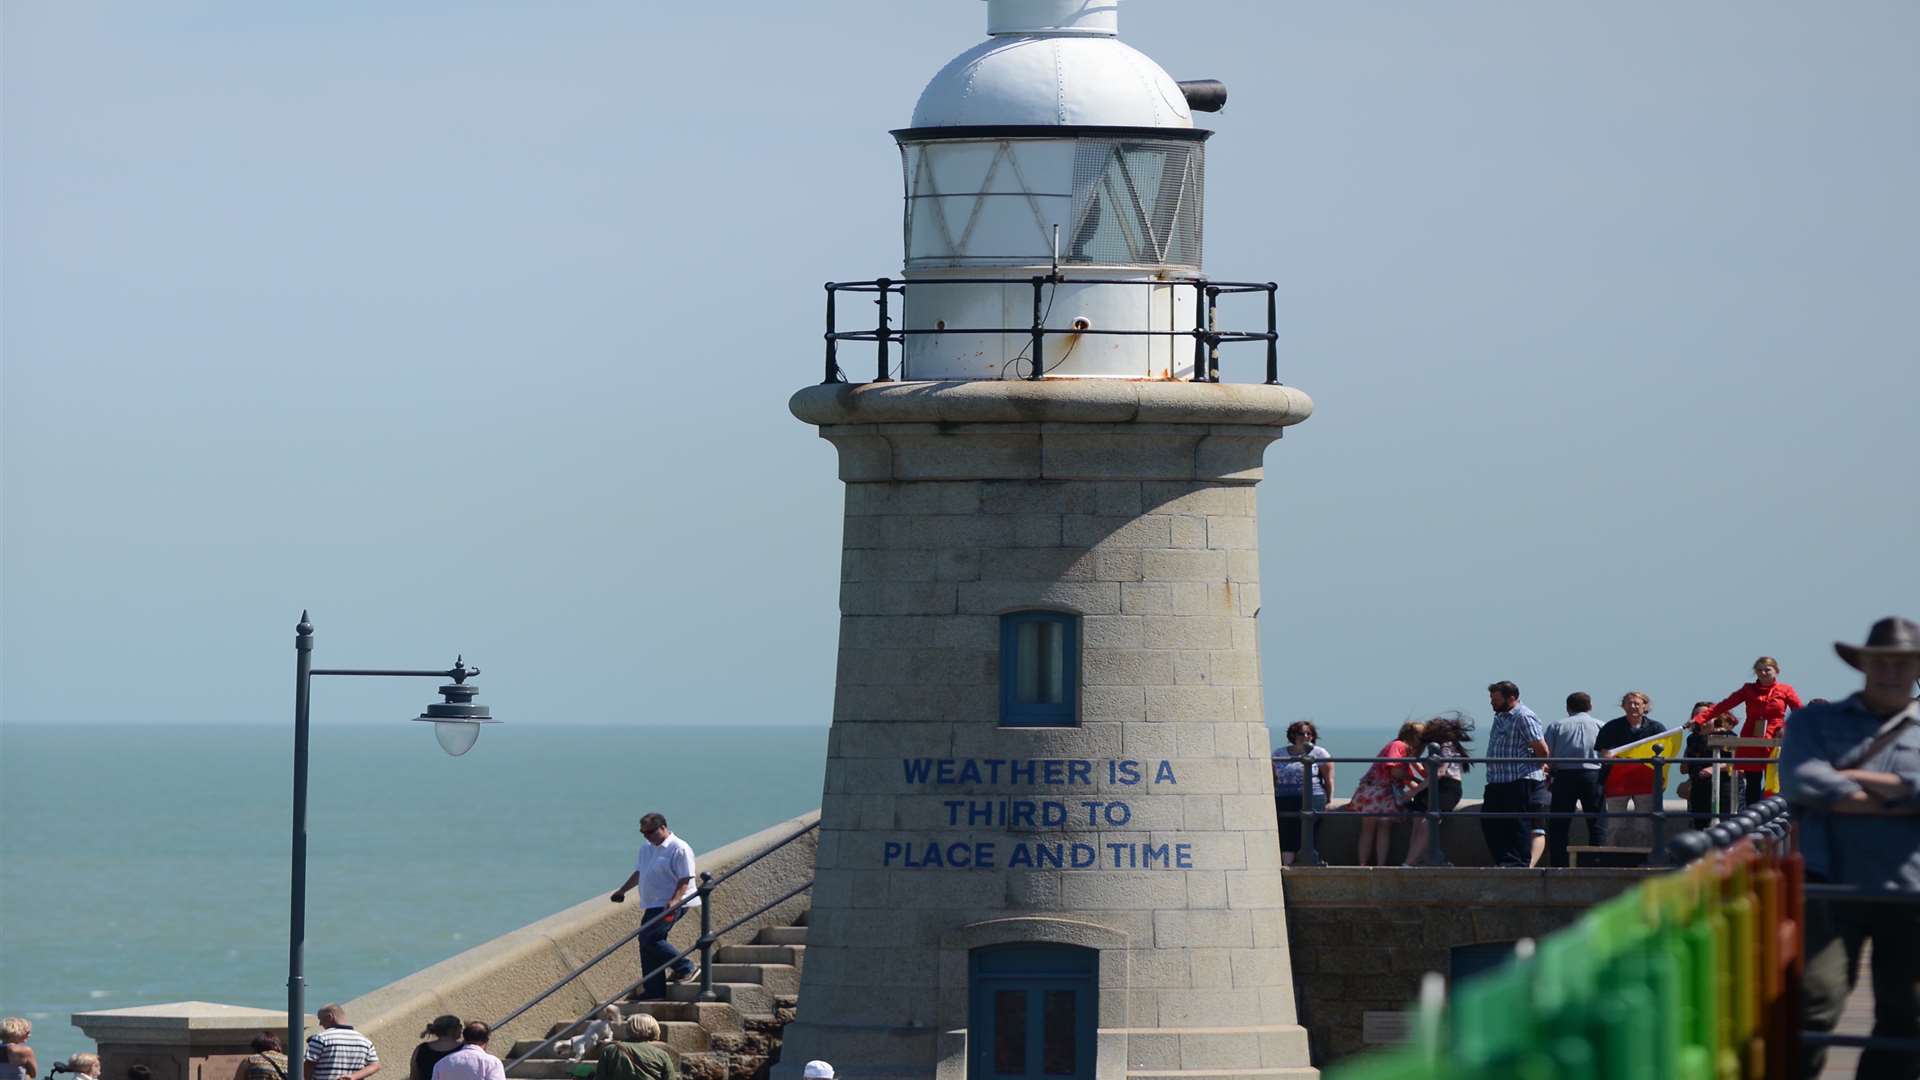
1514 787
1852 771
1574 783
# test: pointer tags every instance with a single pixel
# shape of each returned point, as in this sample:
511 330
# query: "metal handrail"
1206 334
1770 822
1309 815
704 944
597 957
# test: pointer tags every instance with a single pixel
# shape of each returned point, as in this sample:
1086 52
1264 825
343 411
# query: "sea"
142 864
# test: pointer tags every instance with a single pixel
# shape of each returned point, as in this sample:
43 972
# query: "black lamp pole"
457 709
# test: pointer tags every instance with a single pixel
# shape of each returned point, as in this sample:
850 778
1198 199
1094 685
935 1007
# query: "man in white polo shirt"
664 874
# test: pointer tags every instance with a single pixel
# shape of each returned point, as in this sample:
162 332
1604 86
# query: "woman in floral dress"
1382 794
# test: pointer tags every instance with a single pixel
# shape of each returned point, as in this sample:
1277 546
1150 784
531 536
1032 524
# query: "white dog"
598 1033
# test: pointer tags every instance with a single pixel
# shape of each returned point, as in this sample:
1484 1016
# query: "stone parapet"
1363 937
181 1040
489 980
197 1040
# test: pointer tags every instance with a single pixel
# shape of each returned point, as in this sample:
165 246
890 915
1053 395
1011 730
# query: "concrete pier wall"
490 980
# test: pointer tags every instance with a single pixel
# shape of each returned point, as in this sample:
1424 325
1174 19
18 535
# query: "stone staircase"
734 1038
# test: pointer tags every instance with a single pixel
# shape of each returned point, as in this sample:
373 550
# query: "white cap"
817 1070
1099 18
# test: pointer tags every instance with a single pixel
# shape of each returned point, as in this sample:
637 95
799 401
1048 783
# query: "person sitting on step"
638 1055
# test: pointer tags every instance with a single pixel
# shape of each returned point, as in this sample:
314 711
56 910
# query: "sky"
470 327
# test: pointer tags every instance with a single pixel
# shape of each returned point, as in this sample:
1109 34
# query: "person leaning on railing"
1443 746
1852 770
1768 701
1696 785
1629 787
1574 784
1514 785
1292 763
1383 794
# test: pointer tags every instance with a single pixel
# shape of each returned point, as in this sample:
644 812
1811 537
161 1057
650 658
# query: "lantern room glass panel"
1137 202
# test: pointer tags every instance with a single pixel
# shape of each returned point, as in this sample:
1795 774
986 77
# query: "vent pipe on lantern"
1204 95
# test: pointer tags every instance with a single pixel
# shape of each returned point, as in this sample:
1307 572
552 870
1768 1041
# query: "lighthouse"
1048 845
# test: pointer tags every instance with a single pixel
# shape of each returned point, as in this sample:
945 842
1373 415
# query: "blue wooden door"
1033 1011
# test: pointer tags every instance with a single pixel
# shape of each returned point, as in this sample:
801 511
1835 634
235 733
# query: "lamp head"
456 719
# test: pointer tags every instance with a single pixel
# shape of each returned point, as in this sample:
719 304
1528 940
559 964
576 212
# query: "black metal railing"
1206 333
1309 815
1769 822
704 946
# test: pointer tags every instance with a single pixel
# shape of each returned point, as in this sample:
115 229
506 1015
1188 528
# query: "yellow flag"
1668 743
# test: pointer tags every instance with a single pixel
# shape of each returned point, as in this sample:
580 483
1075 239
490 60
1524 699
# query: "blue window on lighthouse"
1032 1012
1039 669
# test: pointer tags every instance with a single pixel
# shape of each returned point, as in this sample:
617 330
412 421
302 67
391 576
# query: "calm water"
145 864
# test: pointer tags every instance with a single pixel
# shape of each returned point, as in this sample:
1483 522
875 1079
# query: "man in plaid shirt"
1514 786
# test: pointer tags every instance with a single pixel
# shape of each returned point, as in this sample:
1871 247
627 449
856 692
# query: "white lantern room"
1054 175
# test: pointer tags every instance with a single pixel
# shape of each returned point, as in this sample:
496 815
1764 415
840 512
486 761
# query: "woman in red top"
1767 700
1383 793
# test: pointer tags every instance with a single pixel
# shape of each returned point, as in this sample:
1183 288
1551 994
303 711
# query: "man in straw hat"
1852 770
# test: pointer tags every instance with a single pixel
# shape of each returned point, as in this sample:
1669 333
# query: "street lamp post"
456 724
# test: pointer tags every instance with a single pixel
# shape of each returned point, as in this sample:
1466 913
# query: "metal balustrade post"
1309 853
833 345
706 939
884 334
1039 328
1713 779
1436 855
1658 856
1199 331
1213 331
1273 334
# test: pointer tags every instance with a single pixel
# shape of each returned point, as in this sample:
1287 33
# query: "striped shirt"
336 1051
1514 733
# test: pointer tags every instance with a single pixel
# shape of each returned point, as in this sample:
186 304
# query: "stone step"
560 1069
712 1015
705 1064
791 955
750 998
678 1034
545 1069
781 935
781 979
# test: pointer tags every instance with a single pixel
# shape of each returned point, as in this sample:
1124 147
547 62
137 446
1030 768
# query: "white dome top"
1052 80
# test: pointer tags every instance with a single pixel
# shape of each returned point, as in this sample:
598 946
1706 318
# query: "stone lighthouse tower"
1048 845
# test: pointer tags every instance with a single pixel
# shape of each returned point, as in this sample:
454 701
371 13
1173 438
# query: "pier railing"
703 946
1311 813
1696 973
1206 334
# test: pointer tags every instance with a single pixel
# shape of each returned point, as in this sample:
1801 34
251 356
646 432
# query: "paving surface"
1857 1019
